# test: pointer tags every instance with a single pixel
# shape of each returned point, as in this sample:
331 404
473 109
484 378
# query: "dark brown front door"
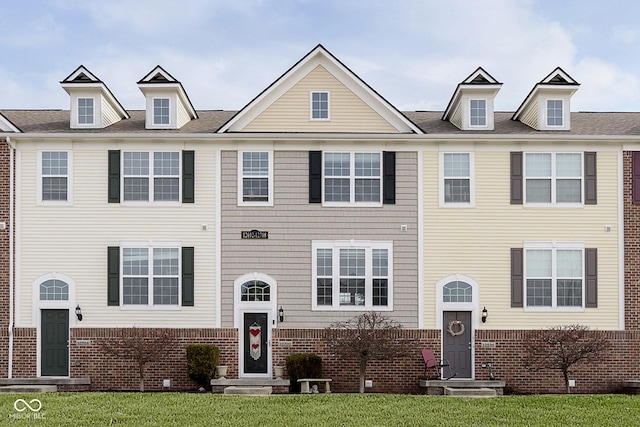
456 341
54 347
256 343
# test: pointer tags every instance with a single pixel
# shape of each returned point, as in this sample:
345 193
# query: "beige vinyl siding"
456 117
73 240
183 116
530 117
291 112
293 223
109 115
476 242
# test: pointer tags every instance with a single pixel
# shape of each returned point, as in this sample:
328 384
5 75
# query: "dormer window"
554 112
319 105
85 111
478 112
161 111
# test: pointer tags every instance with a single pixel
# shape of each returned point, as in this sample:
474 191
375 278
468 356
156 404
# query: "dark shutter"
113 275
389 177
315 176
590 187
187 277
591 277
188 177
517 276
516 178
114 176
635 170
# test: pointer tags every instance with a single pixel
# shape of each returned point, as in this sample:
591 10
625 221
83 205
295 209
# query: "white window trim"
473 306
93 117
546 113
472 181
153 113
352 180
69 176
151 177
150 245
269 176
553 178
553 247
486 114
335 246
328 106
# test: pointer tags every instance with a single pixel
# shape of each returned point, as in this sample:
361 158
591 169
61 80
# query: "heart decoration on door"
255 334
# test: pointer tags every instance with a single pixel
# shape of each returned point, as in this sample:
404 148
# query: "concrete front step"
28 388
248 391
469 392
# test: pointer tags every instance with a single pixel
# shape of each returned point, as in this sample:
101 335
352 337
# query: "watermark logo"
27 410
22 405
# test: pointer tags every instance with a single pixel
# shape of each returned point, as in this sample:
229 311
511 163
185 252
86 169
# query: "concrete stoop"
469 392
28 388
248 391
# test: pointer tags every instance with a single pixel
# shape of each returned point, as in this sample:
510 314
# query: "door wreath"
455 328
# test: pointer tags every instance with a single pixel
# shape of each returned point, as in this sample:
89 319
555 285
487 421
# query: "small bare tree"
139 345
561 347
369 336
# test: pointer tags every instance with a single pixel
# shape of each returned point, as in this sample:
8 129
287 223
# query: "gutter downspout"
11 278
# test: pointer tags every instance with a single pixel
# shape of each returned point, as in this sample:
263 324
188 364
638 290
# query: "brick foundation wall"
631 249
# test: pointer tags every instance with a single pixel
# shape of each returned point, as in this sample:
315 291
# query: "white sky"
413 52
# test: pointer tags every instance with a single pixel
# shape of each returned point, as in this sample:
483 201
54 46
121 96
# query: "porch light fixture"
281 314
79 313
485 313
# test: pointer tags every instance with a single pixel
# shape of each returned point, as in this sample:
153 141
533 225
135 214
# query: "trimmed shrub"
202 360
302 365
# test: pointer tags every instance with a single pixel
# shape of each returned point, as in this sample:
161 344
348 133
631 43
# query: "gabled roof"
320 56
6 125
158 78
558 79
479 79
81 77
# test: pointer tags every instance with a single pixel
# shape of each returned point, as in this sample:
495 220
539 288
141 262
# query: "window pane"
136 163
380 262
54 163
85 110
165 291
380 292
166 189
255 164
367 190
367 164
554 112
135 290
136 189
54 188
538 191
166 164
457 292
256 291
569 164
569 293
324 292
320 105
352 292
539 292
255 189
456 165
457 191
337 164
336 190
135 262
478 112
165 262
54 290
352 262
538 263
161 111
324 262
538 164
569 263
568 191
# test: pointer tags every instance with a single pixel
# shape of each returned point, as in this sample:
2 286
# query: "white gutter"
11 266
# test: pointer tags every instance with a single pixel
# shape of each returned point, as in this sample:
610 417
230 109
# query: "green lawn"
183 409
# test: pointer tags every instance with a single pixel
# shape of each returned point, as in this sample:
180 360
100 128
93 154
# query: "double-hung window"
352 275
150 276
456 178
319 105
553 178
55 176
555 112
85 111
255 178
161 111
478 112
352 178
554 276
151 176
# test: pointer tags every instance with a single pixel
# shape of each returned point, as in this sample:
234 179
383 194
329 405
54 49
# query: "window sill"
351 308
132 307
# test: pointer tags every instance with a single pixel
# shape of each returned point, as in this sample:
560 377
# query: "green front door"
54 346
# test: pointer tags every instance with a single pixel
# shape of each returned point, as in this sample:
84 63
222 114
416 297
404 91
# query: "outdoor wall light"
485 313
281 314
79 312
